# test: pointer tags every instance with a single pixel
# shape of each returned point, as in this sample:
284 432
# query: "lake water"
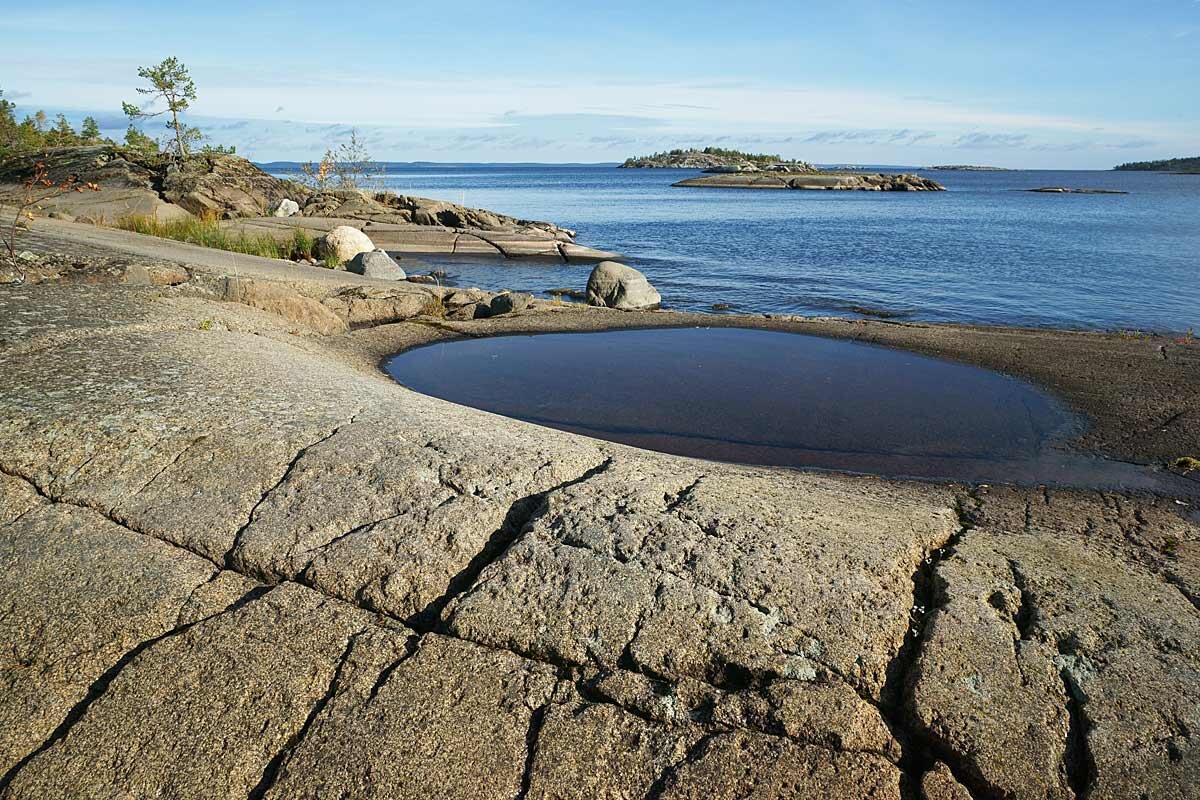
779 399
981 252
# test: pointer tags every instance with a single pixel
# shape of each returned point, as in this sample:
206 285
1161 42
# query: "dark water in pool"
979 252
779 399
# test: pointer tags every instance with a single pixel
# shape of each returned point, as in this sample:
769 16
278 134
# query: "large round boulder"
376 264
343 243
615 285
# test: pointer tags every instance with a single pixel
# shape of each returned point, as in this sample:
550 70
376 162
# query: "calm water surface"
773 398
979 252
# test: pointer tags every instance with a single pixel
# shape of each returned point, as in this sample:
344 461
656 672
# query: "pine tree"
90 130
169 82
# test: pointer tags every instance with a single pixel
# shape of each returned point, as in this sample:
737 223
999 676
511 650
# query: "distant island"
1188 165
970 168
716 158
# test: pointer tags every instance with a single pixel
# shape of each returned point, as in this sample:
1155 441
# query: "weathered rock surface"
207 707
225 186
1061 663
816 180
135 183
376 264
237 561
615 285
79 592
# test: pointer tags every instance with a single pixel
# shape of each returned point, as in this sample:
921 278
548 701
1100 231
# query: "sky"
1047 84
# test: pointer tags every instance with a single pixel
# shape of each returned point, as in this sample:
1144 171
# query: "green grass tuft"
207 232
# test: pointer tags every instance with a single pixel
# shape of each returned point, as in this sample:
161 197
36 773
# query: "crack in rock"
271 771
227 560
664 780
1078 763
99 686
918 752
536 720
411 645
521 514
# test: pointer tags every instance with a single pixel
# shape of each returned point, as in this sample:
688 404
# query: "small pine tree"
90 130
8 125
136 140
169 82
63 135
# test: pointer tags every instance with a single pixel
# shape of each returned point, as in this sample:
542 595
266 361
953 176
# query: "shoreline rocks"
836 181
614 285
344 243
239 561
376 264
251 201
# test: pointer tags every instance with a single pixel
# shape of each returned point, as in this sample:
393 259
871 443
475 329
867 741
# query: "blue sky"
1022 84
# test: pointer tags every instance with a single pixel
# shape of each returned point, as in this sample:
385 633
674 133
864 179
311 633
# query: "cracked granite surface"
237 561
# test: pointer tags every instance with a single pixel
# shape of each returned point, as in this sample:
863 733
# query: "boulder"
617 286
510 302
343 243
376 264
286 208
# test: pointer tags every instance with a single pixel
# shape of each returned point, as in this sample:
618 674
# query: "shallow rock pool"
771 398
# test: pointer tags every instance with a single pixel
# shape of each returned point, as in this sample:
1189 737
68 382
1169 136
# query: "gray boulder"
614 285
286 208
376 264
509 302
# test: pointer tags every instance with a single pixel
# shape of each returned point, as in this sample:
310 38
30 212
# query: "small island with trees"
716 159
1190 166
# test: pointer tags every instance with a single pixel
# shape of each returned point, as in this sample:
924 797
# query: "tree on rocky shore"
89 131
170 83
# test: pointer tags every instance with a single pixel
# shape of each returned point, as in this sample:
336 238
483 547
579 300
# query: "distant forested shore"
1164 165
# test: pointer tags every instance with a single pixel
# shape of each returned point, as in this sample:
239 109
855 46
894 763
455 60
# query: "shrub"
1186 464
348 167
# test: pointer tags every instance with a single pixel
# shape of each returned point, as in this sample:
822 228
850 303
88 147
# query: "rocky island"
715 159
969 168
815 179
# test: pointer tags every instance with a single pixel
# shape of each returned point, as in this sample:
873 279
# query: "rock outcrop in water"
236 561
871 182
1065 190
